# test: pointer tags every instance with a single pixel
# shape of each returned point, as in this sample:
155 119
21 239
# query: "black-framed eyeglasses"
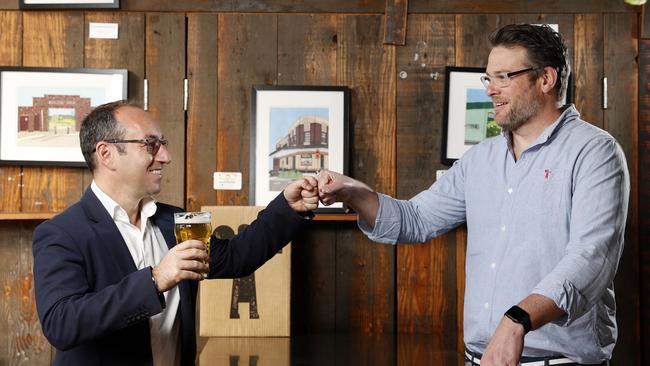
502 79
152 143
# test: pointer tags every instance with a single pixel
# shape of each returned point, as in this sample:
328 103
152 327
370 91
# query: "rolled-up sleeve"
432 212
597 224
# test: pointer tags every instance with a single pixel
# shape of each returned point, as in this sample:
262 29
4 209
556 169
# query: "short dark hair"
544 46
100 125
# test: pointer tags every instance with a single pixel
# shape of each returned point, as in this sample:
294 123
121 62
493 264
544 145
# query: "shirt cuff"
387 224
161 296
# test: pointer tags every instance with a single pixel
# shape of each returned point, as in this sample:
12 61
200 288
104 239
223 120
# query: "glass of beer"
193 225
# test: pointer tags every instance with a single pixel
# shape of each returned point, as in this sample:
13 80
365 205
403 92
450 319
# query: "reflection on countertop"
328 349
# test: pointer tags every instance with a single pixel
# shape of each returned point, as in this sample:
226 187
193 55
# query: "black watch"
519 316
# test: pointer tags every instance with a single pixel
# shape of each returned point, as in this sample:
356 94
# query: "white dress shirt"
147 247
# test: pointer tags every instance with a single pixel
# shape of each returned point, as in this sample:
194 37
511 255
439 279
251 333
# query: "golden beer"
193 225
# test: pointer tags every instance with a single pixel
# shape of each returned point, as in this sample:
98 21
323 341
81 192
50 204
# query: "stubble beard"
520 112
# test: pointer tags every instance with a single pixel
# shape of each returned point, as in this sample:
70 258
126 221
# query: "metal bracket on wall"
145 101
605 92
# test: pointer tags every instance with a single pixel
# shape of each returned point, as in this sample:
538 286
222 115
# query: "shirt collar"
116 212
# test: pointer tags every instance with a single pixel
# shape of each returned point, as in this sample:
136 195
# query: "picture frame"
41 110
465 104
295 131
469 116
69 4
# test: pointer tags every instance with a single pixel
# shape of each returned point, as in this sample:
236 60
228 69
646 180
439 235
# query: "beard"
521 111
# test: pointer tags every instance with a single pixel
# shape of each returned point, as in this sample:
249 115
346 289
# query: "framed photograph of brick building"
41 110
296 131
69 4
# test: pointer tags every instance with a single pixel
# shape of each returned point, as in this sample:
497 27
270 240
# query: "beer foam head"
192 218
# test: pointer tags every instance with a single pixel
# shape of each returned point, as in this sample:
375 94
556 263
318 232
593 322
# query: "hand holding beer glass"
193 225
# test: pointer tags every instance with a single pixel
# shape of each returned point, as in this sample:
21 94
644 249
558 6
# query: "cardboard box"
257 305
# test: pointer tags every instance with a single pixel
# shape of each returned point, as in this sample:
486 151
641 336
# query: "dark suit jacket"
94 304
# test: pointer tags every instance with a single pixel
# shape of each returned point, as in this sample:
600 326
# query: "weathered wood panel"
366 271
588 67
519 6
259 6
395 22
202 60
426 273
472 46
21 339
307 56
11 38
247 56
52 39
126 52
374 6
644 195
165 72
10 188
307 49
621 120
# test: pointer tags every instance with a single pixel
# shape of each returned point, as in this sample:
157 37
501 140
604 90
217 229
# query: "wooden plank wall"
341 281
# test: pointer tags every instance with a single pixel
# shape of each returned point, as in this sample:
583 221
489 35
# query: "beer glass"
193 225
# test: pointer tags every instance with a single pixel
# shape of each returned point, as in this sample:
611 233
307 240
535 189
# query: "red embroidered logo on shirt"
547 174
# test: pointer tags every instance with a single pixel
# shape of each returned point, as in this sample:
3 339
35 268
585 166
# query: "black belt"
475 359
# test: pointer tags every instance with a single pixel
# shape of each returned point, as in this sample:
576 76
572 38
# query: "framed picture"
296 131
41 110
64 4
469 115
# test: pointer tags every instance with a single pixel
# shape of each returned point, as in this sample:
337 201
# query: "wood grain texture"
621 120
52 39
307 49
126 52
518 6
21 339
10 188
248 56
367 270
202 60
307 56
11 23
259 6
373 6
426 273
588 67
165 72
472 46
644 195
395 22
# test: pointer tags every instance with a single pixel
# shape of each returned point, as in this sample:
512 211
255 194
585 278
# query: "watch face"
517 314
520 316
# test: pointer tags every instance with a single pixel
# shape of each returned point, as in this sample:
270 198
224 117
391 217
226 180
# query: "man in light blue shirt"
545 205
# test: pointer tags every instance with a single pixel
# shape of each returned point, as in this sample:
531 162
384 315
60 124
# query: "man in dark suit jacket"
112 287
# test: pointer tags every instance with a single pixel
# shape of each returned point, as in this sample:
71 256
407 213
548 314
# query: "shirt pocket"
546 195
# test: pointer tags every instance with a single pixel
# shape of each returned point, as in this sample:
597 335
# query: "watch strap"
519 316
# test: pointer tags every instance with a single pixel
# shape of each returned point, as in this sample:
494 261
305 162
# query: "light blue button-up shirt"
550 223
